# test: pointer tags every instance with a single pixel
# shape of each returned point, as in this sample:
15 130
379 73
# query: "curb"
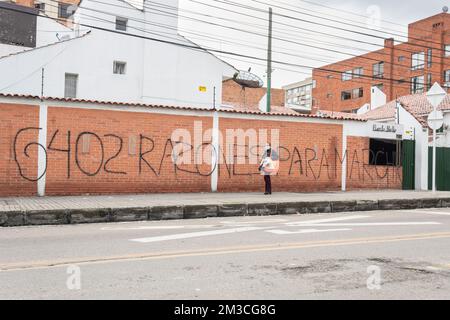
103 215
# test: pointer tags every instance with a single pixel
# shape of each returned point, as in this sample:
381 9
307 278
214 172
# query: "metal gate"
442 169
409 164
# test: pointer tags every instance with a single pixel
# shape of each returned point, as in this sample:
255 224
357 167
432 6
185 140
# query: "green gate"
442 169
409 164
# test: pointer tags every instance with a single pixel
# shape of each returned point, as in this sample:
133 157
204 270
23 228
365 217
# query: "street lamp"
436 119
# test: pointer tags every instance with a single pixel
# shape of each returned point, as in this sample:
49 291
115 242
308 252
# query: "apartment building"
58 9
406 68
298 96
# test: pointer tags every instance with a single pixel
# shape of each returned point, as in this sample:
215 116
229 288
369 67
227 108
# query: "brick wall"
21 123
307 158
233 93
362 175
397 67
94 151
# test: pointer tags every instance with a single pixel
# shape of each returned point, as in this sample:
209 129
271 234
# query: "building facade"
22 28
125 54
236 96
397 69
57 9
298 96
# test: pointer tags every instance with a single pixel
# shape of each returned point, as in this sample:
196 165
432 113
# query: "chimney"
389 43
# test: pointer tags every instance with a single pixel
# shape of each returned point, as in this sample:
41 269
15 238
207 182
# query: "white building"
116 60
298 96
35 31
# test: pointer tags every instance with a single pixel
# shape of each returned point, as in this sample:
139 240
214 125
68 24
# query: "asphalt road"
358 255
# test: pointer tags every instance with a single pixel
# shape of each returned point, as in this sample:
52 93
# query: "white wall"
157 73
377 98
443 139
421 136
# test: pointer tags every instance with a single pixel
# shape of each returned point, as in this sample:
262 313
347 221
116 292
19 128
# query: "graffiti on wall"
152 155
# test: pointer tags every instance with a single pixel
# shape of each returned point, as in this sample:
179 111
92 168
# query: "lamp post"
435 120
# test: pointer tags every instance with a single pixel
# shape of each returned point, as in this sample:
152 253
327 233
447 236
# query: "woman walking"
267 168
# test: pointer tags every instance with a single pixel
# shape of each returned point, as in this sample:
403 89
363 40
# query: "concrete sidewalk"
120 208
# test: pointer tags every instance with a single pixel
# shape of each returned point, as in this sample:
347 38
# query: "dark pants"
268 184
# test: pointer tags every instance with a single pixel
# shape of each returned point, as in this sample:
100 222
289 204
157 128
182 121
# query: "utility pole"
269 64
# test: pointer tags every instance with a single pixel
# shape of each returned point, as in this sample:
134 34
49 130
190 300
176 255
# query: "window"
71 84
40 7
119 67
418 61
378 70
382 152
351 74
430 58
417 84
347 75
346 95
121 24
357 93
64 10
358 72
447 50
447 78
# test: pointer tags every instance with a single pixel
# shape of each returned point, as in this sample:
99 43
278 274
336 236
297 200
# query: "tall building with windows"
398 69
57 9
298 96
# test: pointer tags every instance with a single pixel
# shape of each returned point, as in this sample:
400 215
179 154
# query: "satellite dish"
248 80
445 9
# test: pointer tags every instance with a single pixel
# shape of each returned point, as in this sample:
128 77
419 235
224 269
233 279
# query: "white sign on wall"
387 131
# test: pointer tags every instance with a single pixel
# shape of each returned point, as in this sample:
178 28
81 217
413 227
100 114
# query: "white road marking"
434 212
374 224
196 234
159 227
305 231
317 221
253 222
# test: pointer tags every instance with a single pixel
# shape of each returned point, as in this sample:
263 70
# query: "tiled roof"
275 112
346 115
417 105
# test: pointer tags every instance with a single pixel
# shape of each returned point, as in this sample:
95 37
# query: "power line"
262 35
194 47
228 2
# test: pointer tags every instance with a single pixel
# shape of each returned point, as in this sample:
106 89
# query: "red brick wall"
158 176
309 153
307 158
362 175
397 74
232 92
13 119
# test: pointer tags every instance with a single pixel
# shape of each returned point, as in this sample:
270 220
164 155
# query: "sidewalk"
120 208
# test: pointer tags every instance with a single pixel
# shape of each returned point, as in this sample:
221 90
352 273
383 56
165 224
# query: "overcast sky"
293 39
